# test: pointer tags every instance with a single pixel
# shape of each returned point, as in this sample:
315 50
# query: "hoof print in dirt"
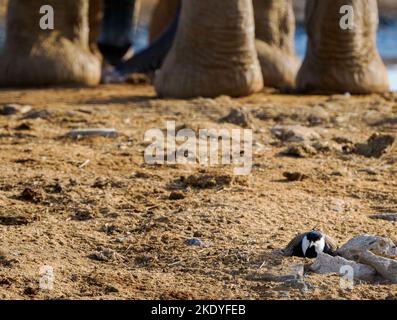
376 146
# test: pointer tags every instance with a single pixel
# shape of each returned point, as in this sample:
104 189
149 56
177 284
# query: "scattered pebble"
375 147
36 114
206 181
294 133
23 127
195 242
295 176
100 132
30 195
237 117
83 215
175 195
14 220
301 150
338 205
11 109
103 254
384 216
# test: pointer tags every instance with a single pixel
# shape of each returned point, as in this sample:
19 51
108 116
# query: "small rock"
325 146
8 110
11 109
237 117
29 291
83 215
358 244
194 242
36 114
318 116
100 132
31 195
175 195
301 150
325 263
14 220
23 127
295 133
207 181
295 176
338 205
384 216
376 146
197 234
370 171
103 254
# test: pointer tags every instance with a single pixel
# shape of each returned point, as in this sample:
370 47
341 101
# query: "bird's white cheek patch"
320 245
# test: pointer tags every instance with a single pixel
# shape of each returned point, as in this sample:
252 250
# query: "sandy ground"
109 229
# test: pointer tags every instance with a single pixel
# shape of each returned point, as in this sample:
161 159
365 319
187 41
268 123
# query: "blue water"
386 40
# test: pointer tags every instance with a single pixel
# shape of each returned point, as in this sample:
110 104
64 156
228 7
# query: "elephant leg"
213 52
340 59
151 58
95 20
117 29
275 32
162 15
35 56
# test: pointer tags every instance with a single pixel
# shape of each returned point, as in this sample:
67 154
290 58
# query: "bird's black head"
314 236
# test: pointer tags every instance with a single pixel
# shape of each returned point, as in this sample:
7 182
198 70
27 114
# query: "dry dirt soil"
105 221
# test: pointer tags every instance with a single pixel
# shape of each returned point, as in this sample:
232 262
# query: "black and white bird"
310 244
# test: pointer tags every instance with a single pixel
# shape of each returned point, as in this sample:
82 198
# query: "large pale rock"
327 264
387 268
377 245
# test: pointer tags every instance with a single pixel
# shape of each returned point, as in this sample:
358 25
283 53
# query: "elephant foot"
340 59
213 52
279 68
60 63
327 79
38 56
